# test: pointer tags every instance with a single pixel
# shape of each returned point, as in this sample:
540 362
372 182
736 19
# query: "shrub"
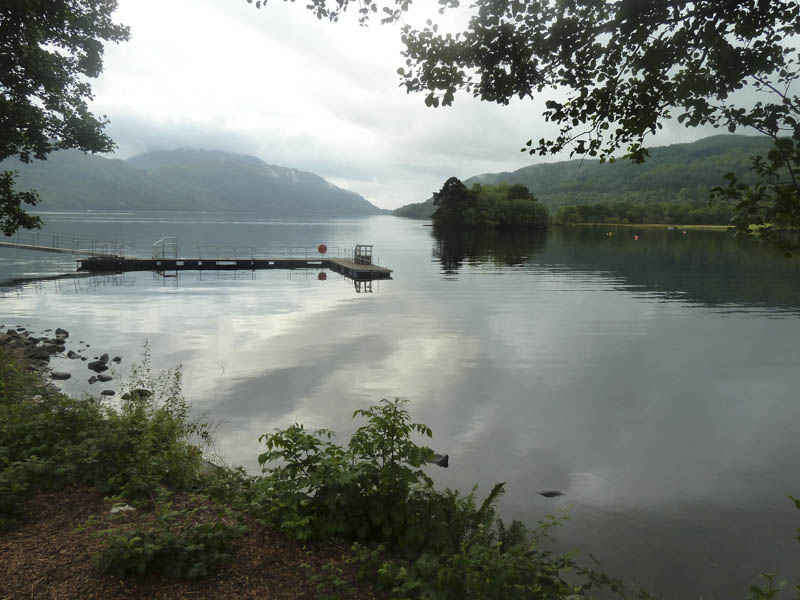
369 490
48 439
175 544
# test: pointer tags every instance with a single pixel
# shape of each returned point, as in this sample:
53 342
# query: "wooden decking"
120 264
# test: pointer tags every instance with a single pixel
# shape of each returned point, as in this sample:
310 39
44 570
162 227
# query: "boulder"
137 393
59 375
104 377
550 493
107 393
98 366
117 359
62 332
104 358
92 379
441 460
38 354
52 348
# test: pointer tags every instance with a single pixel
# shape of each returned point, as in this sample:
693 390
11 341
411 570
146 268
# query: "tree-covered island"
487 207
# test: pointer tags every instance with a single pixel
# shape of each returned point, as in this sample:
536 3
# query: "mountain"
674 173
185 180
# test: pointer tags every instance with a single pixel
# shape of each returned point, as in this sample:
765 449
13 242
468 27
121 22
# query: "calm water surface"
654 382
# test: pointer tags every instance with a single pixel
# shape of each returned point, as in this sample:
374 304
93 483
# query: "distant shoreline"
650 226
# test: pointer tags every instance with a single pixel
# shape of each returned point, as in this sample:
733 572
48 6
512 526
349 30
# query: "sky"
298 92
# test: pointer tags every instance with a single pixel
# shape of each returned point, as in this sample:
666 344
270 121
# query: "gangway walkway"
63 244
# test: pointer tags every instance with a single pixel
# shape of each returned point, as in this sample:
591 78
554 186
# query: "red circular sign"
322 276
322 248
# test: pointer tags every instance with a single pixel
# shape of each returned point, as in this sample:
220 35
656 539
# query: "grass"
652 226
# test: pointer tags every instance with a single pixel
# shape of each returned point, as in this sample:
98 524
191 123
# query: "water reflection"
509 248
75 283
86 283
704 267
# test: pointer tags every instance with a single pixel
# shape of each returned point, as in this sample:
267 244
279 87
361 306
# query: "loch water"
654 381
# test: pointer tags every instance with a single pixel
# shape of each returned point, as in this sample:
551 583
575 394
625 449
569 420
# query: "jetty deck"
119 264
104 257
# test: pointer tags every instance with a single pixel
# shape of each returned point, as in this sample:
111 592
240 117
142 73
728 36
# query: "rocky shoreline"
36 351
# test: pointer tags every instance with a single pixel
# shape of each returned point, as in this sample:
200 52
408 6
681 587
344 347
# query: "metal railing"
67 243
166 247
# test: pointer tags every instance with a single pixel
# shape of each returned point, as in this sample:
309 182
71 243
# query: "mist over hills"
185 180
674 173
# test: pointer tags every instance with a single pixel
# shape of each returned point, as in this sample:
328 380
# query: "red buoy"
322 276
636 238
322 248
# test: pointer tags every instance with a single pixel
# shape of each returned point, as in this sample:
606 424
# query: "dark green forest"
673 186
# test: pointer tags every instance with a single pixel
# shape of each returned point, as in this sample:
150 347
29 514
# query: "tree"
50 48
612 71
487 207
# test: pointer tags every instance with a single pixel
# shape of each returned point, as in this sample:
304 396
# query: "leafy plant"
175 544
48 439
367 490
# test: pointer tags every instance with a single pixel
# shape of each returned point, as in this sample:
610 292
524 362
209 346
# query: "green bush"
369 490
176 544
48 440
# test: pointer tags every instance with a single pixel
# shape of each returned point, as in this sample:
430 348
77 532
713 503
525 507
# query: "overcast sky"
302 93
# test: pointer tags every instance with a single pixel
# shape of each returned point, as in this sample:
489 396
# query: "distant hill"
675 173
185 180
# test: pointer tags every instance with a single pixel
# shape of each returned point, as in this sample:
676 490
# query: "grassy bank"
650 226
119 500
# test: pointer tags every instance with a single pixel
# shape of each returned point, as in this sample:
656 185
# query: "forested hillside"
185 180
679 175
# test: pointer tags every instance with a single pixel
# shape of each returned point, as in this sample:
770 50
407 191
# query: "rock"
73 355
88 345
441 460
104 377
12 333
84 358
97 366
107 393
52 348
59 375
38 354
104 358
47 330
117 359
92 379
550 493
63 332
137 393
